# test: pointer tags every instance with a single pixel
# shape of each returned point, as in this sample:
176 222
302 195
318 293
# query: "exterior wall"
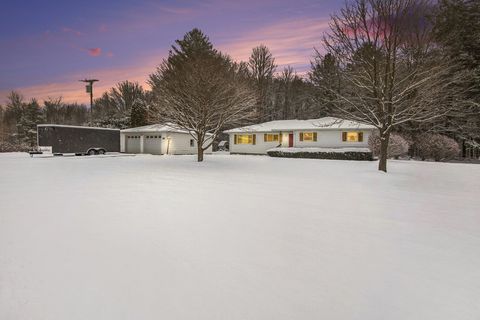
180 144
260 146
122 142
325 139
141 144
331 139
171 142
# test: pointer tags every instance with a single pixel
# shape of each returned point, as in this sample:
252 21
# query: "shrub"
397 146
13 147
437 147
347 155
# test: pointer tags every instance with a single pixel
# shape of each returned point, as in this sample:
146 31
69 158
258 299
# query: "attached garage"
152 144
132 144
158 139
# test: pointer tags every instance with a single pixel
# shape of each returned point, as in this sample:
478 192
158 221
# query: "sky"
47 46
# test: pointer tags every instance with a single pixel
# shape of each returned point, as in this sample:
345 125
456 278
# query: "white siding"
122 142
260 147
176 143
180 144
325 139
331 139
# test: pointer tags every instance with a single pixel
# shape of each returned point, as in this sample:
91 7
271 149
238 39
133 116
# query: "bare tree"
389 69
262 67
201 90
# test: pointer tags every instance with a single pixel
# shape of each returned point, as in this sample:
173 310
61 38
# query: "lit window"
244 139
352 136
308 136
270 137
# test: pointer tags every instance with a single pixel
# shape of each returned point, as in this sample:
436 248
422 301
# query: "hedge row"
361 156
13 147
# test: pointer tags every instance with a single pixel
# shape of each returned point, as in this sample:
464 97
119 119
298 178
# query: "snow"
237 237
326 123
167 127
170 127
314 150
78 127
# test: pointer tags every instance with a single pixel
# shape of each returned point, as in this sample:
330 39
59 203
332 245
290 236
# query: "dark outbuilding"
77 139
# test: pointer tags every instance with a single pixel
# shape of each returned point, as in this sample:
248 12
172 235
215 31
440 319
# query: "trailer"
61 139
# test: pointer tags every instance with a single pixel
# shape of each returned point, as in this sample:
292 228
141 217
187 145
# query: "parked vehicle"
223 145
60 139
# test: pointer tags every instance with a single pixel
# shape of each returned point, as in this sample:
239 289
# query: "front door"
290 140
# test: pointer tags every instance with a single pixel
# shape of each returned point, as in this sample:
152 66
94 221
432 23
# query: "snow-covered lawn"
237 237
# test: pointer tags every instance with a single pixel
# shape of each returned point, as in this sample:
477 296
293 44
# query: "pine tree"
200 90
324 75
27 126
457 30
139 114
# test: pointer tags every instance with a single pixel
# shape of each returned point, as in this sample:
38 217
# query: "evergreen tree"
324 75
139 114
27 125
457 30
200 90
115 107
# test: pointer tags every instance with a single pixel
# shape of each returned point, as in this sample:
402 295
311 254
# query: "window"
267 137
308 136
244 139
192 143
352 136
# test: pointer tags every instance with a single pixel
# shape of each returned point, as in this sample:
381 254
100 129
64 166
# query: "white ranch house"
158 139
325 132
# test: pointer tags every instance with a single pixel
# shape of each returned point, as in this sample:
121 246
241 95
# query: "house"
328 132
158 139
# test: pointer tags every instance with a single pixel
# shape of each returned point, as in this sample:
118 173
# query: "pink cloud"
291 42
73 91
71 31
94 52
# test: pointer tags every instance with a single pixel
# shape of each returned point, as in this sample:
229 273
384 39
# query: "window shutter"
264 137
344 136
301 136
234 139
254 138
314 136
360 137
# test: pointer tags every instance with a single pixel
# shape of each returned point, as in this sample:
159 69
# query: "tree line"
408 67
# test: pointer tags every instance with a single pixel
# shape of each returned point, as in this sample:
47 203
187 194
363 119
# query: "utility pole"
89 89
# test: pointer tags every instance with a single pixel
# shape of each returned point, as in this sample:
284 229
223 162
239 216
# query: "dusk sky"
47 46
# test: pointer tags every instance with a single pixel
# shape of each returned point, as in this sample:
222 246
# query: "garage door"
132 144
152 144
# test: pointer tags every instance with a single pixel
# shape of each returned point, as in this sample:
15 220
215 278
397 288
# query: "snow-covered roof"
164 127
326 123
78 127
159 127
